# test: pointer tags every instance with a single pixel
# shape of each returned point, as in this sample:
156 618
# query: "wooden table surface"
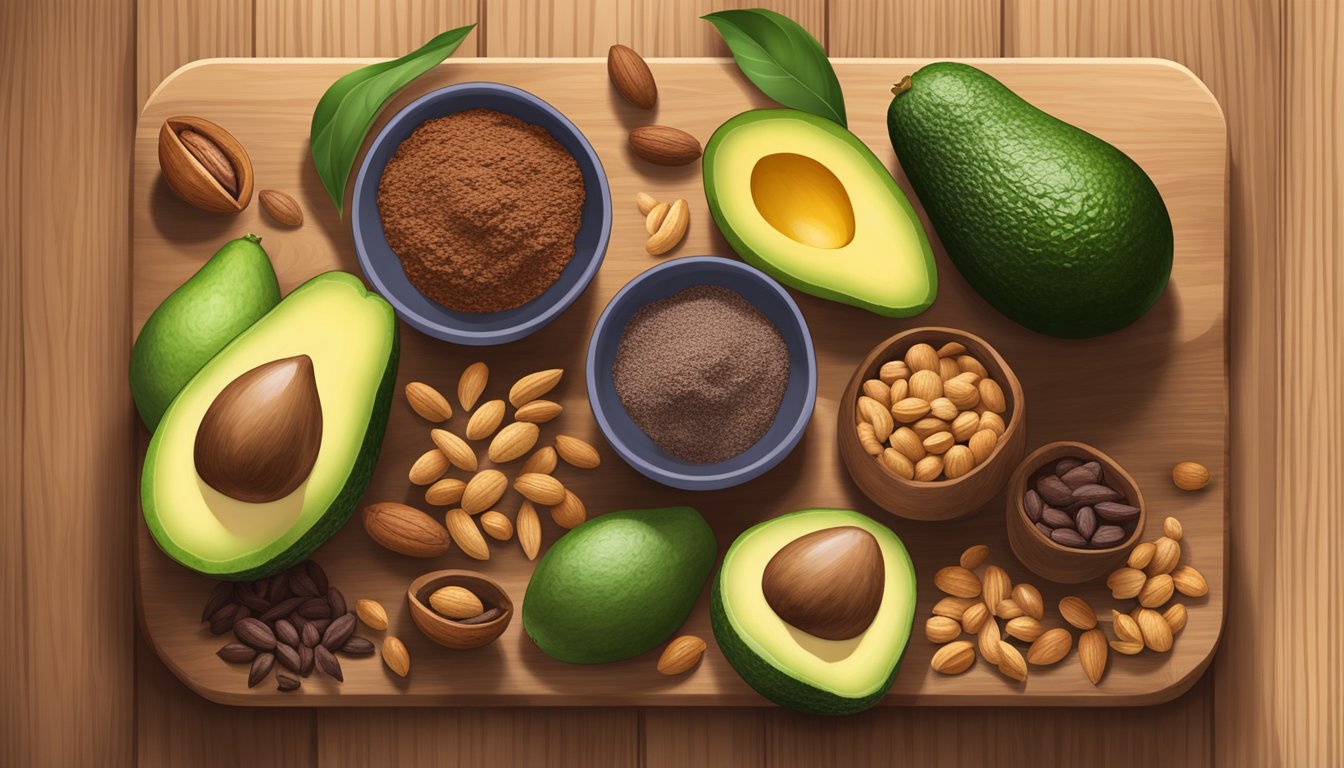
80 688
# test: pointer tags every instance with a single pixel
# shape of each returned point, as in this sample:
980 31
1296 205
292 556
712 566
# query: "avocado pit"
803 199
259 439
828 583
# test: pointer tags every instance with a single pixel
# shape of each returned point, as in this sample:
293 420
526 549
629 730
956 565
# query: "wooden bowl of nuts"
459 609
1073 513
932 424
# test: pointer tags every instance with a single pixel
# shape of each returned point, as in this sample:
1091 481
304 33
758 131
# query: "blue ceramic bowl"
635 447
383 269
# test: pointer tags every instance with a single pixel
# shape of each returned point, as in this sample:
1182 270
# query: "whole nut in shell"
208 168
405 530
281 207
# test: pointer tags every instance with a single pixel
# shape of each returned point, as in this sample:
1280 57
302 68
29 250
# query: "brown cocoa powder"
482 209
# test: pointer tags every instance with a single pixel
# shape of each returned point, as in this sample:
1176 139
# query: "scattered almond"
664 145
542 461
429 467
645 202
513 441
534 385
1024 628
1190 476
281 207
989 639
1050 647
427 402
1171 528
1175 616
1125 627
485 420
576 452
954 658
457 451
1189 582
631 76
974 617
672 231
529 530
570 512
974 556
681 655
1008 609
538 411
1166 554
396 657
1092 654
496 526
957 581
540 489
998 587
1078 613
1127 647
445 492
1155 630
1028 598
941 629
472 384
655 217
953 607
1011 663
1125 583
483 490
1142 555
464 531
1156 591
372 613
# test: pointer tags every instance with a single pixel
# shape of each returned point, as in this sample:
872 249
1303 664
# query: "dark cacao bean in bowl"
383 269
791 417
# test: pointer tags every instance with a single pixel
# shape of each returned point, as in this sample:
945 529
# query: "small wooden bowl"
1057 562
455 634
941 499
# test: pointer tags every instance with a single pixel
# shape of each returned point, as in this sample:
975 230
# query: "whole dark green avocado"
1054 227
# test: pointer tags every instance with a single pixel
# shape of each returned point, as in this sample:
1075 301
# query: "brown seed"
315 608
529 530
286 633
396 657
664 145
336 599
281 207
283 608
338 631
327 662
654 219
488 615
1092 654
237 653
286 683
372 613
1141 555
455 602
631 77
974 556
957 581
254 633
1050 648
953 658
1125 627
1077 612
1008 609
220 596
570 512
306 660
1171 528
472 384
576 452
211 157
542 461
358 646
288 656
404 530
1166 554
261 667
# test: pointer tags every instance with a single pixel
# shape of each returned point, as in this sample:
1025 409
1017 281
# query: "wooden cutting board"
1150 395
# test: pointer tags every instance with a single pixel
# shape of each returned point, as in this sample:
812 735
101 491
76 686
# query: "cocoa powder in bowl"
702 373
482 209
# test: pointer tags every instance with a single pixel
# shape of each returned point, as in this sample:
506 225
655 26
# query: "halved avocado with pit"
350 337
793 667
807 202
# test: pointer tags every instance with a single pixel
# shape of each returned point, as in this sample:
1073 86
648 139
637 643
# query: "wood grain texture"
915 28
1237 49
170 33
590 27
1165 370
1309 606
389 28
66 693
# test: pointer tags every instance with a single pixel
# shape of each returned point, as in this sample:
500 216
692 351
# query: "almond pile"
1151 577
666 223
474 495
933 415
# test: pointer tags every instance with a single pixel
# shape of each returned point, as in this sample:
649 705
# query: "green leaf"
782 59
346 112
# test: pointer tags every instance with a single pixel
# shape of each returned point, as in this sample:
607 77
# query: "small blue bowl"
630 442
383 269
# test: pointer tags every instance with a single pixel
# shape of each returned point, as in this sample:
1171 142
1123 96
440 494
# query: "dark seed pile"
702 373
295 618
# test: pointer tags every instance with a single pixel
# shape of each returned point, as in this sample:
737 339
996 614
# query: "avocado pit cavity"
828 583
802 199
259 439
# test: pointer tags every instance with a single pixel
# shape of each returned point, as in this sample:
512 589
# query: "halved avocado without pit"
807 202
333 333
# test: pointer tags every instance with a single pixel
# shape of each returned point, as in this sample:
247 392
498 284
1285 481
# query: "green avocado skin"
1057 229
618 585
224 298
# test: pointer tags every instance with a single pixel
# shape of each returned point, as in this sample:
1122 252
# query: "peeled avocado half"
350 337
793 667
804 200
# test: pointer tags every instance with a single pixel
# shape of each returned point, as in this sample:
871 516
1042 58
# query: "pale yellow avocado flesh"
851 668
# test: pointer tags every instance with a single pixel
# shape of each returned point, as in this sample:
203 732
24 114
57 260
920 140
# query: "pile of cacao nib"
295 618
1074 504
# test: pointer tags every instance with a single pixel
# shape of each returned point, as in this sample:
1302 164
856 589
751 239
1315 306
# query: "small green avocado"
805 201
814 609
1054 227
618 585
330 333
234 288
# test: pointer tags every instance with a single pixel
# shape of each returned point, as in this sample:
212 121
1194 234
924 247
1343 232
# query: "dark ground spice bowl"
384 268
790 419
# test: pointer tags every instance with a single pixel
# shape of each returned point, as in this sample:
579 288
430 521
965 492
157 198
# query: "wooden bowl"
455 634
941 499
1044 556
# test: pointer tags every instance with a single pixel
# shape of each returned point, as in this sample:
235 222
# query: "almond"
664 145
538 411
998 587
1092 654
570 512
483 490
542 461
957 581
962 394
485 420
951 349
1050 648
1029 599
372 613
876 414
429 467
1008 609
896 370
1189 582
671 231
464 531
948 369
908 443
445 492
455 448
655 217
941 629
513 441
211 157
1125 627
868 439
898 463
1155 630
496 526
928 468
1127 647
1190 476
472 384
455 602
529 530
1077 612
991 396
982 445
1024 628
953 607
909 410
1175 616
1166 554
992 420
930 426
427 402
1125 583
681 655
965 425
974 617
576 452
969 364
974 556
405 530
534 385
631 76
988 638
1011 663
540 489
921 357
879 391
1171 528
1141 555
953 658
1156 591
942 408
281 207
396 657
958 460
645 202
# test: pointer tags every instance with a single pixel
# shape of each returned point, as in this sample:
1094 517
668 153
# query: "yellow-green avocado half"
351 337
789 666
805 201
